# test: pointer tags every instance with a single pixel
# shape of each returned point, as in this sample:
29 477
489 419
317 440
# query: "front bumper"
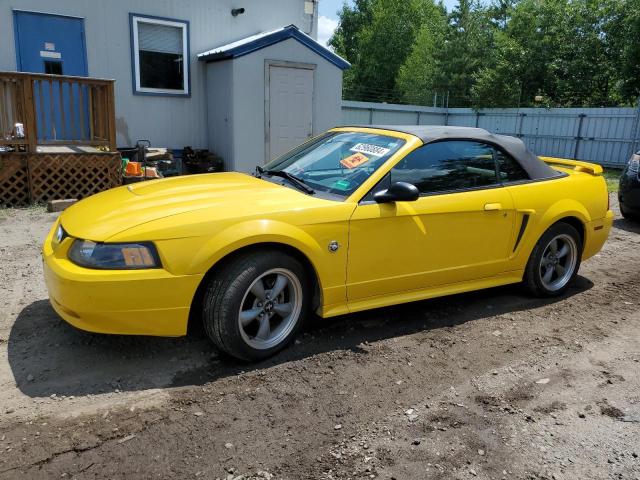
629 192
124 302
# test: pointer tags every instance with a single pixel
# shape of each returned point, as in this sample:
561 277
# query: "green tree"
468 45
569 52
353 19
447 53
580 71
496 85
523 48
346 39
500 12
418 76
623 31
376 36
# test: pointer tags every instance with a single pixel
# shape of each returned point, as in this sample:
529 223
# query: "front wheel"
256 304
554 261
626 214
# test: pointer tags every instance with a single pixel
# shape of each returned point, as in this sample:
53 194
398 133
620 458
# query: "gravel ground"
492 384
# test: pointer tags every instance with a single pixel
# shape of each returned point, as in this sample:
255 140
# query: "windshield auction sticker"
369 149
354 160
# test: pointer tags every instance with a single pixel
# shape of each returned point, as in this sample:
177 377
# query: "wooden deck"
56 110
57 137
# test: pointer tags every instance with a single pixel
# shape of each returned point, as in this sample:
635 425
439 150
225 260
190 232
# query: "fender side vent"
523 227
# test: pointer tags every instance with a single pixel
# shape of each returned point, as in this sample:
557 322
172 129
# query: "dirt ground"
492 384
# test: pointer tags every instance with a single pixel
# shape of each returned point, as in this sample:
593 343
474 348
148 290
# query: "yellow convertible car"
354 219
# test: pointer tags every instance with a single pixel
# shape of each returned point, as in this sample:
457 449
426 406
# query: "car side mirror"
398 192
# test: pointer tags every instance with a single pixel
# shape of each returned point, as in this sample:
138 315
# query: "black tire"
227 290
626 214
533 277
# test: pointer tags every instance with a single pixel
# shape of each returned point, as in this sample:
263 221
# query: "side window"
447 165
508 169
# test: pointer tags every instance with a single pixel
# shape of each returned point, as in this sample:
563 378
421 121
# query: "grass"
612 176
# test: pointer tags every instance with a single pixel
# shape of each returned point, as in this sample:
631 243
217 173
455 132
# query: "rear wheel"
554 261
256 304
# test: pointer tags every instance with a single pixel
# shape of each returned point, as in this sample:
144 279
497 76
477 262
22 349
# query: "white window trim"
136 55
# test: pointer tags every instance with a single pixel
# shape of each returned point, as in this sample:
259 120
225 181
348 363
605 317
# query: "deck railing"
38 109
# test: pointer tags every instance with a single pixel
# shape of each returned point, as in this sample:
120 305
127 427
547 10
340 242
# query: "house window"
160 54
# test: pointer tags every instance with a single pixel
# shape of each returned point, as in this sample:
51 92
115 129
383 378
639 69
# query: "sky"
328 19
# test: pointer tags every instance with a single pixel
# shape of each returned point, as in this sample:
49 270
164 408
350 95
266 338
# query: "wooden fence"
56 110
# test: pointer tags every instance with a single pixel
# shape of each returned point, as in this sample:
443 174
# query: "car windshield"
337 162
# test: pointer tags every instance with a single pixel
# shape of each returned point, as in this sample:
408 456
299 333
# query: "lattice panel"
56 176
14 180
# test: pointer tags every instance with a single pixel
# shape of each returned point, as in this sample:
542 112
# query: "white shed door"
290 108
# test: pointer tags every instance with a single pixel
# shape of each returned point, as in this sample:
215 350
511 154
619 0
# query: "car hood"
225 195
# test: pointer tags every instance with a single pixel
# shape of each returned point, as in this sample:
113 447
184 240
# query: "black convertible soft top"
515 147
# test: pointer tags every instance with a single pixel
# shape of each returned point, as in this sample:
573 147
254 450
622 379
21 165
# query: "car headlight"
114 256
60 234
634 164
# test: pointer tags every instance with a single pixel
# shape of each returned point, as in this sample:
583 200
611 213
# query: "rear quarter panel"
578 194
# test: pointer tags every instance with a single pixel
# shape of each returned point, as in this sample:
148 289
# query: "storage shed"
268 93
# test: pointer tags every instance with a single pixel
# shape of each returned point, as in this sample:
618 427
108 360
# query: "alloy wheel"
270 308
558 262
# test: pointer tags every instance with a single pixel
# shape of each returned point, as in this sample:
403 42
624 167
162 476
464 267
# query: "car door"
460 229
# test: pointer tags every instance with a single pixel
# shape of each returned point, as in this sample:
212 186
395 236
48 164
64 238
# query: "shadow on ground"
47 356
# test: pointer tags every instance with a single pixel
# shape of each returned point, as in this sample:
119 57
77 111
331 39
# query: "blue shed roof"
250 44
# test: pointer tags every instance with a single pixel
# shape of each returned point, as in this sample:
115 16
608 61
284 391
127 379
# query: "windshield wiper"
298 182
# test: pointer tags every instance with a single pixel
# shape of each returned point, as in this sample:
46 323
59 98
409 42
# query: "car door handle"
492 207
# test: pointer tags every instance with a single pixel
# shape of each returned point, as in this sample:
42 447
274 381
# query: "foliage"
418 75
346 39
377 38
612 176
507 53
495 85
624 31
